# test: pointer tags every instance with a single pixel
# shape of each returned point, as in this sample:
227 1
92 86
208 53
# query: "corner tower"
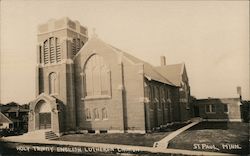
58 42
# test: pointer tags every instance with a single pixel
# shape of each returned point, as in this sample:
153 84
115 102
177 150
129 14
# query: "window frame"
103 68
56 83
96 114
88 116
227 110
210 109
104 114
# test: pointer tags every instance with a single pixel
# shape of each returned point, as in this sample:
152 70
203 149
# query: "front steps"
50 135
41 135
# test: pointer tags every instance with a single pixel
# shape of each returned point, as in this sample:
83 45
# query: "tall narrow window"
104 114
40 54
87 114
74 47
152 88
52 83
52 50
156 93
167 93
162 94
97 77
46 52
78 44
96 114
58 51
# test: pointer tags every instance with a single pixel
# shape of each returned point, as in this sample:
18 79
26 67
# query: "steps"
50 135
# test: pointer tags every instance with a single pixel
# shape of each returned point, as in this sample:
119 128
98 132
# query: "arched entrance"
43 110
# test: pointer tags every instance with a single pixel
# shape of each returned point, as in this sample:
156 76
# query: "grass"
214 133
124 138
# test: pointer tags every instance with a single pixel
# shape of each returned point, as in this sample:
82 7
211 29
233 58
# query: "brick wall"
113 104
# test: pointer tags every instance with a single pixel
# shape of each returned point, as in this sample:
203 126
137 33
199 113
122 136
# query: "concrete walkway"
165 141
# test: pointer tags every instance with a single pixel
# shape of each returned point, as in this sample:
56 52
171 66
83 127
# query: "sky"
210 37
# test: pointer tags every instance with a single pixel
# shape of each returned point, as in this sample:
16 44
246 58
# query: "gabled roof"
150 71
4 119
16 109
172 72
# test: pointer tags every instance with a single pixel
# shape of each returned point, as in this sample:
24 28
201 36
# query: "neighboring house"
5 123
17 114
86 84
214 109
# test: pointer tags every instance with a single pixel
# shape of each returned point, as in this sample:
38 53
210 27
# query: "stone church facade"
85 84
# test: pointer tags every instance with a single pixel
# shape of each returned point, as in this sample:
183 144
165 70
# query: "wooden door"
44 120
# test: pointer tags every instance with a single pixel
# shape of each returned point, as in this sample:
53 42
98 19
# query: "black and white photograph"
129 78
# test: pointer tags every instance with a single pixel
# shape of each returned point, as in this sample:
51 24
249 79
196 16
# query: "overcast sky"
211 37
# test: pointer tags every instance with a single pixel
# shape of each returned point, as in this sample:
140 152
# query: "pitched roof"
172 72
15 109
4 119
149 70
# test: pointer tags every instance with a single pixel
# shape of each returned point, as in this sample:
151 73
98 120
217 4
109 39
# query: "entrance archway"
43 111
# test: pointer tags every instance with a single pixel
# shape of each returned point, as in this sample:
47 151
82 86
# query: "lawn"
124 138
215 136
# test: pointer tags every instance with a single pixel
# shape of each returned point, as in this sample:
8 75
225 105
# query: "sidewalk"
165 141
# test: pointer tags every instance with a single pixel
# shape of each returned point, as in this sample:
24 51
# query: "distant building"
215 109
17 114
86 84
5 123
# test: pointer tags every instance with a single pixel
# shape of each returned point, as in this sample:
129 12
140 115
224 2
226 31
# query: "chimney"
163 61
239 91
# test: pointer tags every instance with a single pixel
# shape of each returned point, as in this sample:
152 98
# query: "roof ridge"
142 61
133 60
182 63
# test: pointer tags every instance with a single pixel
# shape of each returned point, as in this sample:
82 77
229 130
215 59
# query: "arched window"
46 51
52 83
58 51
51 50
104 114
97 77
76 45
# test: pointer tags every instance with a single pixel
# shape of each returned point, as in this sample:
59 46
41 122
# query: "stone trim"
115 131
136 131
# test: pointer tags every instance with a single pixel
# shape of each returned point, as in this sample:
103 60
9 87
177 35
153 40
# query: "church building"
84 84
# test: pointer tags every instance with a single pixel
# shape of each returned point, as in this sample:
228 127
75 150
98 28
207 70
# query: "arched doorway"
43 111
